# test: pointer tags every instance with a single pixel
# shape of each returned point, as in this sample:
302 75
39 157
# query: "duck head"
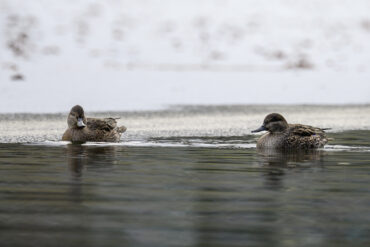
273 122
76 118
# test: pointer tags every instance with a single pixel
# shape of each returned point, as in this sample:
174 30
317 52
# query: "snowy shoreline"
188 121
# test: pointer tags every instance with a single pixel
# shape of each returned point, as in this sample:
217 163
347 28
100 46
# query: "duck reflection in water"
76 156
81 158
277 162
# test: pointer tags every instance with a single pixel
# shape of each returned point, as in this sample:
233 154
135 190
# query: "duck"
82 129
282 135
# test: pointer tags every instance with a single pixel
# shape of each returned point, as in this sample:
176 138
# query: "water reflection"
292 158
77 160
82 157
237 210
168 196
277 161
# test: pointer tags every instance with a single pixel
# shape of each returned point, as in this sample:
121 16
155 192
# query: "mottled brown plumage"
82 129
282 135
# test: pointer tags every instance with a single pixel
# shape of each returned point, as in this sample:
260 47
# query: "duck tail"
325 128
121 129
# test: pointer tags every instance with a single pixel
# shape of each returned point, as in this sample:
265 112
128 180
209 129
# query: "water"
191 190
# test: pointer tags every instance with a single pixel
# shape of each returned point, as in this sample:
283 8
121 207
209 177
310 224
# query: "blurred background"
122 55
190 79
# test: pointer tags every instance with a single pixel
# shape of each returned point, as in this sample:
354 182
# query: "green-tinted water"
185 195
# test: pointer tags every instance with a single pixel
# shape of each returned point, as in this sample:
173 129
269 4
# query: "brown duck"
82 129
282 135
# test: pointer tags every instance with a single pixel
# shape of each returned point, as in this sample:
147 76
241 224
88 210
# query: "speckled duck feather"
290 136
96 130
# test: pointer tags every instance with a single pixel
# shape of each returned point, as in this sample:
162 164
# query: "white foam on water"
191 143
48 143
145 143
340 148
136 144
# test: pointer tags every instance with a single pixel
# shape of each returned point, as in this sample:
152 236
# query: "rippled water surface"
185 191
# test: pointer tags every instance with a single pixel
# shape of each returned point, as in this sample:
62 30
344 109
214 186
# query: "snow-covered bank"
194 121
133 55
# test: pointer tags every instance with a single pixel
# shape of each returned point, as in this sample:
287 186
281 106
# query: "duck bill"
80 123
262 128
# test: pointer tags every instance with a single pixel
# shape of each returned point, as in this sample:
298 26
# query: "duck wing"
106 124
303 130
305 136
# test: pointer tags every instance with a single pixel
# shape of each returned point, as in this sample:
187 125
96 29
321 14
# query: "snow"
121 55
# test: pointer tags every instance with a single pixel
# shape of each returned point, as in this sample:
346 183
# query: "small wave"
339 148
135 144
194 143
229 145
172 144
48 143
143 143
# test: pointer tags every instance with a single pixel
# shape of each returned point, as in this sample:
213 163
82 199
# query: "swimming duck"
82 129
282 135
